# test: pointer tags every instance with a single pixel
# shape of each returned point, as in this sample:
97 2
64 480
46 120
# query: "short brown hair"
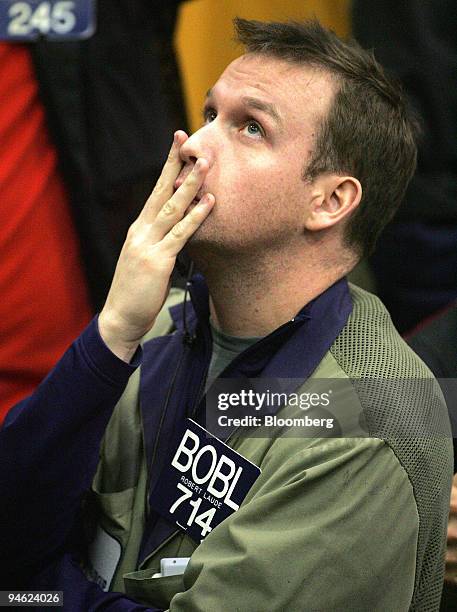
370 131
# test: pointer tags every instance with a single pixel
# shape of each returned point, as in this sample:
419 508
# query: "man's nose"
197 145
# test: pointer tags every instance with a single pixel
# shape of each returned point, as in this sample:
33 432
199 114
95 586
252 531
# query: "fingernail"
208 198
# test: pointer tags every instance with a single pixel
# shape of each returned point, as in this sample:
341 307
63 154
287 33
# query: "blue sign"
204 483
52 19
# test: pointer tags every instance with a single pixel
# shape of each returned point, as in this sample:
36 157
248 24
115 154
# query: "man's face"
260 121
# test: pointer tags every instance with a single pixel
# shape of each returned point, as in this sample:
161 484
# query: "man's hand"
142 278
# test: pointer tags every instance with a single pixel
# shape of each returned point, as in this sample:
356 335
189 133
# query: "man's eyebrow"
264 107
260 105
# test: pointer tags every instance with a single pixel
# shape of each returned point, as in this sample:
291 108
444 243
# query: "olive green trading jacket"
331 524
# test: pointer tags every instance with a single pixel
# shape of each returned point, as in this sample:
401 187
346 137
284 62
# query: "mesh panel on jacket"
411 418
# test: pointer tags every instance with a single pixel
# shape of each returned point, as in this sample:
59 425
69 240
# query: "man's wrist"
110 334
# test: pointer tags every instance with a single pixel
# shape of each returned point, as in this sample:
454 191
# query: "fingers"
163 189
173 210
180 233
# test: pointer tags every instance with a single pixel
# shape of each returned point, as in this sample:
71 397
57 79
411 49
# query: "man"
268 197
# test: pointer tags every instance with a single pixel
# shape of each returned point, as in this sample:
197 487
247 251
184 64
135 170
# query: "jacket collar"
291 351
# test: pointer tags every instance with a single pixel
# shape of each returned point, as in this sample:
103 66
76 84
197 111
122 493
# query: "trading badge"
204 482
57 20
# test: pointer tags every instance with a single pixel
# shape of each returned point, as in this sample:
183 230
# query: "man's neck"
248 299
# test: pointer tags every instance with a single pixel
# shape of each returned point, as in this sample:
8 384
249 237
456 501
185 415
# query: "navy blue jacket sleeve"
80 594
49 448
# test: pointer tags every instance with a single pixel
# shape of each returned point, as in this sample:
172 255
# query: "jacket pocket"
153 591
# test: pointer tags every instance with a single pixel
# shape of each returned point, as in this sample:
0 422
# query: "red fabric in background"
44 302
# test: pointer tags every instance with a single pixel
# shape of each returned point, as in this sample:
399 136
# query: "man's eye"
209 115
254 129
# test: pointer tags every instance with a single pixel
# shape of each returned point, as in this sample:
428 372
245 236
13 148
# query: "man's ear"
333 198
